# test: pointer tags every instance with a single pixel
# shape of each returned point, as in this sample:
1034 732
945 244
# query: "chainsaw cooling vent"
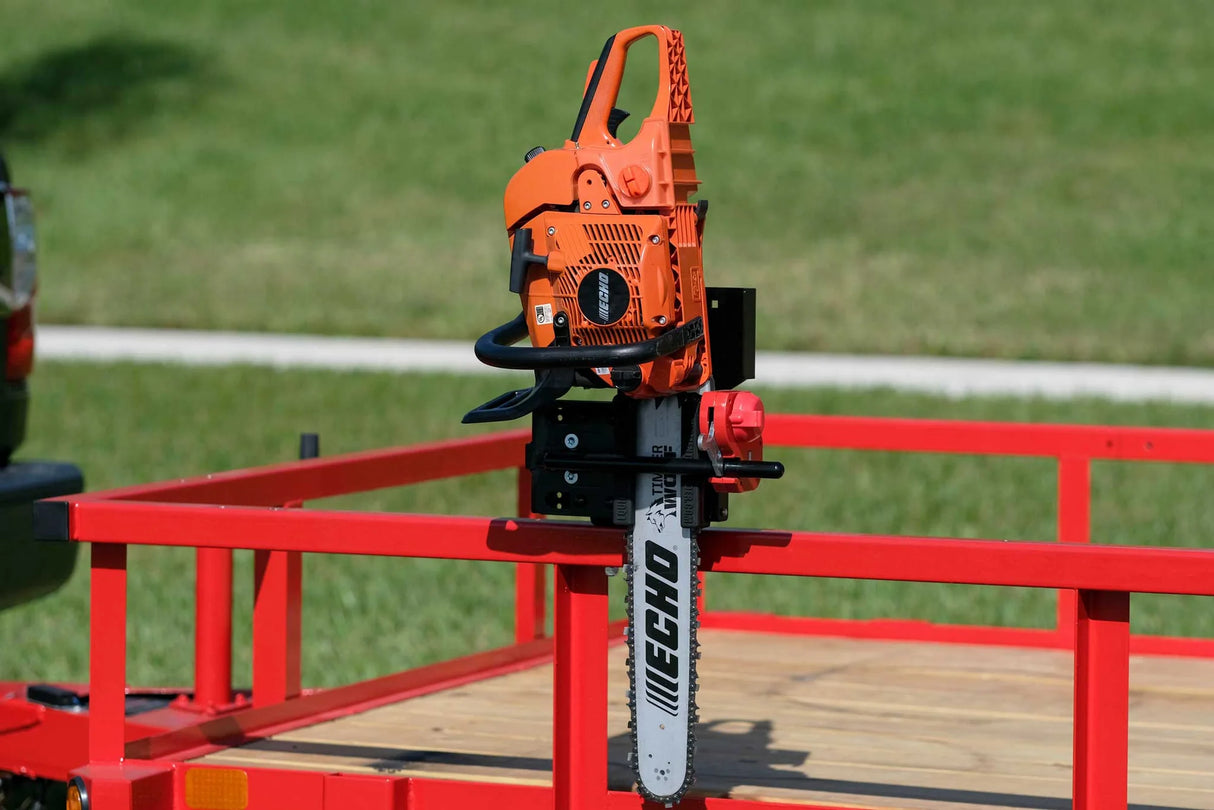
614 243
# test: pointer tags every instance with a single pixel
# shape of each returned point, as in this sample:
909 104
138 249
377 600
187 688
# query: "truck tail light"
19 345
18 279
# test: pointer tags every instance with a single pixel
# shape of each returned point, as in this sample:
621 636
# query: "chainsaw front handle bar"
495 348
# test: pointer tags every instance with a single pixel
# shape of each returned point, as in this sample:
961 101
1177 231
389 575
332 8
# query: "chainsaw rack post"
145 761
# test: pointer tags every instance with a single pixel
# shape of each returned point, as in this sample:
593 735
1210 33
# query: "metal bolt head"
551 230
661 319
571 440
655 240
570 477
586 205
606 203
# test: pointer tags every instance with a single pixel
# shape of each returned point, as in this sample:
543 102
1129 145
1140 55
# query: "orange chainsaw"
605 253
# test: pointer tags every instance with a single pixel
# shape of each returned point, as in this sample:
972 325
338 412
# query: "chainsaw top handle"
594 126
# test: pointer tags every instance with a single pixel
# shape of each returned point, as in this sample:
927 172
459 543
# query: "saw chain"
605 255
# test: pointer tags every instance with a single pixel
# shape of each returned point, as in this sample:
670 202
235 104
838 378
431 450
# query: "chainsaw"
605 254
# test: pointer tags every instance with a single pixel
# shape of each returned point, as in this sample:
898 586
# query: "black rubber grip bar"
592 87
495 348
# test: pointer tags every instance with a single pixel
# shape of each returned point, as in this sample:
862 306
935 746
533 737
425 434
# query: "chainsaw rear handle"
594 125
495 348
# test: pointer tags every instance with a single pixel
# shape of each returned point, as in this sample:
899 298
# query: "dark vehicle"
18 277
27 569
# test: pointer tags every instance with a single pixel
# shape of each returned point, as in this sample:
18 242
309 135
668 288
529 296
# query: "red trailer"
795 712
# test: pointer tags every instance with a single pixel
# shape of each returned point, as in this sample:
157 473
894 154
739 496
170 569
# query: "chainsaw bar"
663 559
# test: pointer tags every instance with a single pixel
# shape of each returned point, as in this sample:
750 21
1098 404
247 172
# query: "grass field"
1022 180
1015 180
362 616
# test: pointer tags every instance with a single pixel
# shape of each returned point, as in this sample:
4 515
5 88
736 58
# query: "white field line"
953 377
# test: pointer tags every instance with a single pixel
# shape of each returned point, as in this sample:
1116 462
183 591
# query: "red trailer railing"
249 509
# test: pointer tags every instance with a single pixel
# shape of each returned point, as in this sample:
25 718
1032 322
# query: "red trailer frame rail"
144 765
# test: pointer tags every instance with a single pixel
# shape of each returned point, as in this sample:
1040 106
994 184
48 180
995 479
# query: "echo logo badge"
602 296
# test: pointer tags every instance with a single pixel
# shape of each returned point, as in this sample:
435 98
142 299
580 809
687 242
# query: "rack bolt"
570 477
571 440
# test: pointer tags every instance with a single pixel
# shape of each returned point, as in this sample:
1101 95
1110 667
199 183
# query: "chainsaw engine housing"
616 241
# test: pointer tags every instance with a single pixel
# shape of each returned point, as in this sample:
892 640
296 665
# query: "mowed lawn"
364 616
1020 179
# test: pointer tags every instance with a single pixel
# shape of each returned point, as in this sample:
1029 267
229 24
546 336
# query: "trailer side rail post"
278 610
276 625
1102 703
1074 526
530 585
107 653
112 781
530 579
579 717
213 628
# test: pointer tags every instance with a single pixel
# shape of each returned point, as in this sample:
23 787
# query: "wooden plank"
837 721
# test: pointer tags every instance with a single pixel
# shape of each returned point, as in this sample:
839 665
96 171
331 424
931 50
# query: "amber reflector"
216 789
73 798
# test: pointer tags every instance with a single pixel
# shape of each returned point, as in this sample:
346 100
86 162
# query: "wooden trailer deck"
841 722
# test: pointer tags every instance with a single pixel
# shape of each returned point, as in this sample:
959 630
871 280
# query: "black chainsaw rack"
583 463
